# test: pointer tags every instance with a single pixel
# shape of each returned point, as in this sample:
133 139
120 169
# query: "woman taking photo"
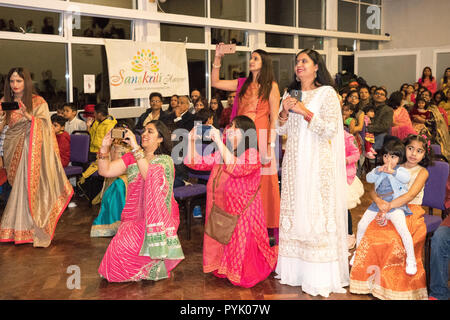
313 219
40 189
146 245
258 98
234 186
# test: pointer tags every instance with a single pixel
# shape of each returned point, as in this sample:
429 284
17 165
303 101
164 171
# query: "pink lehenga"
40 189
248 258
146 245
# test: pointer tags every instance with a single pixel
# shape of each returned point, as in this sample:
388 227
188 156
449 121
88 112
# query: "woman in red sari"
235 177
258 98
40 189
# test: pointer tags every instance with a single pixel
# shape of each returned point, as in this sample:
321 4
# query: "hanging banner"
139 68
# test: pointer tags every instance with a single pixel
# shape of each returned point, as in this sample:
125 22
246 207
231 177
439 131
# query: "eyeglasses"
379 94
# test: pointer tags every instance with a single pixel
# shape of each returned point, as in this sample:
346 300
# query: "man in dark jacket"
382 122
154 112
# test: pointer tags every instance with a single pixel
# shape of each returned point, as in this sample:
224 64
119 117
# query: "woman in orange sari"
380 258
40 189
258 98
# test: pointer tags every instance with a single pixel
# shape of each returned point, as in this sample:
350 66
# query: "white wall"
416 23
419 25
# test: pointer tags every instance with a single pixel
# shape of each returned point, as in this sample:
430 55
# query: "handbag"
221 224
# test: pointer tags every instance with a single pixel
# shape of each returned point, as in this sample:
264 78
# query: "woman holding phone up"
258 98
40 189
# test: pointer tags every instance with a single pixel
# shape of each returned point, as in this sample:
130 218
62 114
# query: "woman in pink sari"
235 175
40 189
401 124
146 245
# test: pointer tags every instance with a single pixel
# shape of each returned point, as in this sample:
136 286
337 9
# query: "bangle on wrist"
102 156
216 66
139 155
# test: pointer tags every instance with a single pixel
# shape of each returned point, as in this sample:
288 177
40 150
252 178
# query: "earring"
297 79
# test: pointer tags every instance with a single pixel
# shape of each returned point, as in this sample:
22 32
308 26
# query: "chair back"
79 148
434 191
436 149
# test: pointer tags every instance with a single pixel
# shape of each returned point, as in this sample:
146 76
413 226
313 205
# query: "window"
178 33
346 44
283 69
96 27
347 16
279 40
315 43
197 70
91 59
48 75
29 21
368 45
238 10
346 63
191 8
234 66
229 36
127 4
280 12
311 14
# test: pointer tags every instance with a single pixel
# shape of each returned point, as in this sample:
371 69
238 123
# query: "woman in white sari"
313 219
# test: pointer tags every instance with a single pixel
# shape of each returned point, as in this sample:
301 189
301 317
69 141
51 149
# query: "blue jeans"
379 140
440 251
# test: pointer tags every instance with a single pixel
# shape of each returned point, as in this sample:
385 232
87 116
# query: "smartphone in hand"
297 94
227 48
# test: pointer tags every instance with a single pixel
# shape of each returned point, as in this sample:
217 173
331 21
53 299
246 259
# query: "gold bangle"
283 119
138 155
216 66
102 156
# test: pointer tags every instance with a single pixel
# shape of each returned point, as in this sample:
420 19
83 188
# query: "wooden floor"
42 273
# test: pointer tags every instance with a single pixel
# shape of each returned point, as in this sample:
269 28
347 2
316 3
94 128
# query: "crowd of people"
302 230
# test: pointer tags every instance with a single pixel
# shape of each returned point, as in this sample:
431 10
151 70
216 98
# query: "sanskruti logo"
144 67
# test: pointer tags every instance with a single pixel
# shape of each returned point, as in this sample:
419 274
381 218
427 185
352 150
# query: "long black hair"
165 147
248 132
423 74
323 76
265 77
445 78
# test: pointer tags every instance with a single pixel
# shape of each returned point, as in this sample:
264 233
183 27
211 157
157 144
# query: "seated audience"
90 183
73 123
382 121
226 113
155 111
63 139
427 80
401 121
217 108
439 258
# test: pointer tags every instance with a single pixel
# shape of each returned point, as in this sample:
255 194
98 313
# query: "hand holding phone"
297 94
10 106
222 49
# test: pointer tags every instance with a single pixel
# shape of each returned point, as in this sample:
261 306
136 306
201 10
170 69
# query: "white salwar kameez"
313 249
